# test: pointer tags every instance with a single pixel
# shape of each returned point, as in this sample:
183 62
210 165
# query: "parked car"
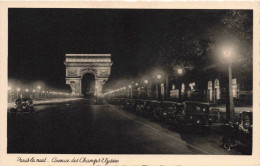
129 104
110 100
23 106
197 116
139 106
239 133
156 109
167 111
176 116
147 109
120 101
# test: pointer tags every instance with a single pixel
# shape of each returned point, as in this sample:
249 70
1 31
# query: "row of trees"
199 50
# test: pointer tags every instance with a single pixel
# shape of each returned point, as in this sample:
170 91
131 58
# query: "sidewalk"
222 108
38 102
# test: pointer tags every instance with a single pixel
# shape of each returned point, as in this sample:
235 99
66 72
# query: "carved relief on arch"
88 70
103 73
72 73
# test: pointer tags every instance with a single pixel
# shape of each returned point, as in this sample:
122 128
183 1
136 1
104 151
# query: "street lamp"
39 92
230 113
131 92
180 71
18 90
33 93
158 76
26 90
146 83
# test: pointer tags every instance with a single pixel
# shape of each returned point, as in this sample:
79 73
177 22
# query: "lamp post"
34 93
158 77
146 83
131 91
17 92
124 94
180 71
230 113
27 90
39 91
136 88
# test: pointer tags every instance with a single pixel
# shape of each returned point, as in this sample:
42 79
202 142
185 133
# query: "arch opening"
88 85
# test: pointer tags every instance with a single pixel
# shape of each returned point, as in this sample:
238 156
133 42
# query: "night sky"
39 38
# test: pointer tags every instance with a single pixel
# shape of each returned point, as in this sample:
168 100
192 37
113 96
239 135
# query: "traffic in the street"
77 127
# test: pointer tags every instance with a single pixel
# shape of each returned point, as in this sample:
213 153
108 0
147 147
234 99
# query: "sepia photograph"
111 81
121 82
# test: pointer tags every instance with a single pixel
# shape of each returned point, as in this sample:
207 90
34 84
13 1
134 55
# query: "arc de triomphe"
77 65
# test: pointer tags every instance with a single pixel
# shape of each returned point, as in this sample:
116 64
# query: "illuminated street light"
230 113
130 91
158 76
18 90
136 84
39 87
147 92
180 71
146 81
227 53
26 90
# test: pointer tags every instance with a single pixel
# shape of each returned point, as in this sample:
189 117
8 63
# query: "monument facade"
77 65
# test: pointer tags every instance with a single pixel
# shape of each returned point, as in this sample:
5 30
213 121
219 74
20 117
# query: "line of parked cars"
195 115
191 116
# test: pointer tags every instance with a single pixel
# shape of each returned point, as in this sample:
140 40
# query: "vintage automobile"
167 111
116 101
175 119
129 104
156 109
120 101
197 116
239 133
110 100
139 106
147 109
23 106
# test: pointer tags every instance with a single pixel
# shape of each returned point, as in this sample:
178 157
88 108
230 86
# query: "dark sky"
40 38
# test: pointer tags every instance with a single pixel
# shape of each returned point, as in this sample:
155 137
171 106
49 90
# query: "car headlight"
198 121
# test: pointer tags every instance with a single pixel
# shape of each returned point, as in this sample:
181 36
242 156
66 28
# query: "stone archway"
77 65
88 85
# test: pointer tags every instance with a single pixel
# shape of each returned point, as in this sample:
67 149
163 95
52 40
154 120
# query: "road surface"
75 127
